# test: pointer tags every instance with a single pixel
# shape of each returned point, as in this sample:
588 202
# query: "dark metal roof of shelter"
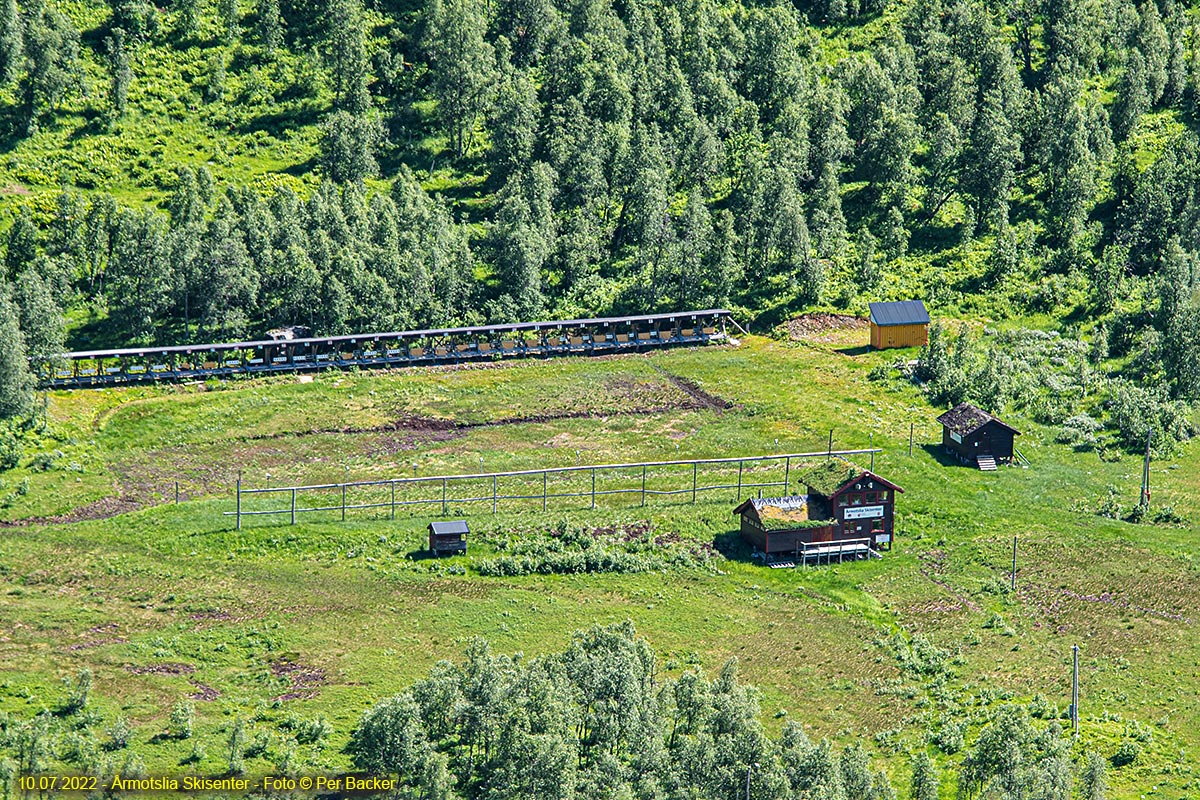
452 527
964 419
901 312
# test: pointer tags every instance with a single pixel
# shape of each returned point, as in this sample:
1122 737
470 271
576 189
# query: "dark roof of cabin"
964 419
900 312
452 527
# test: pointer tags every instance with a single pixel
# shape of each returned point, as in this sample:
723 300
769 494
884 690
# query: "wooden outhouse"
448 537
977 437
847 513
900 324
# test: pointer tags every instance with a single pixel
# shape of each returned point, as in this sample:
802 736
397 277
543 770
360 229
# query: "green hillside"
279 625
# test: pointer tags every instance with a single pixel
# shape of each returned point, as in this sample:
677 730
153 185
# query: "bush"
181 720
1126 754
119 734
10 449
1167 515
313 731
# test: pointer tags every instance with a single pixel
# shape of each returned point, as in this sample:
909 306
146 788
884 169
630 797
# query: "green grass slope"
278 623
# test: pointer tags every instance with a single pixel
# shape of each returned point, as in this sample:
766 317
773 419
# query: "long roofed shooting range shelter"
904 323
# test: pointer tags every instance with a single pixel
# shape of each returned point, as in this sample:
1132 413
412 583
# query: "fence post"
239 504
872 446
176 492
493 494
543 490
643 484
787 474
695 468
293 506
444 512
393 485
343 502
739 497
912 426
830 453
593 487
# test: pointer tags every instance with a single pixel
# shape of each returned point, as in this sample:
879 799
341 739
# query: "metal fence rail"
94 368
657 479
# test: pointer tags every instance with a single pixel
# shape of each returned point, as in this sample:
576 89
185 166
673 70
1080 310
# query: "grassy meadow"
277 624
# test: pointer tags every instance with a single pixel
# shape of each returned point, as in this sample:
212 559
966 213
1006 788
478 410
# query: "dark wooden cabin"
977 437
448 537
848 512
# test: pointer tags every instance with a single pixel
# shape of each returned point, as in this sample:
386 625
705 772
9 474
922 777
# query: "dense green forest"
207 171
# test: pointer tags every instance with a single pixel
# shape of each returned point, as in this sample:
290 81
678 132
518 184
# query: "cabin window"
870 497
856 500
843 501
883 496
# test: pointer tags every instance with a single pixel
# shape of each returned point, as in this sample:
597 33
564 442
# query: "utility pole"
1146 470
1075 691
1013 584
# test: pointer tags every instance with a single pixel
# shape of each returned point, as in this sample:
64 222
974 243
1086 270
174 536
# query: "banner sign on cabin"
866 512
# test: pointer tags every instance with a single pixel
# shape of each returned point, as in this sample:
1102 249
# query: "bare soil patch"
306 680
822 327
170 668
203 693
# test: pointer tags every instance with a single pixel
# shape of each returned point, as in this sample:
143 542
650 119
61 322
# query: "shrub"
313 731
119 734
181 720
1126 754
10 449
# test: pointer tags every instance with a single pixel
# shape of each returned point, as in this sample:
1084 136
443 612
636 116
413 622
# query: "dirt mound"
821 327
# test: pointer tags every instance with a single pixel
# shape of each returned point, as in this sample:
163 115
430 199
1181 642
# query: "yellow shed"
904 323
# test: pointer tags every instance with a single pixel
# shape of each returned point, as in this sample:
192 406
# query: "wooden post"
543 490
343 502
911 427
787 474
1075 690
643 484
393 485
293 506
872 446
1146 470
176 492
593 487
695 469
830 453
1013 583
493 494
739 497
444 497
239 504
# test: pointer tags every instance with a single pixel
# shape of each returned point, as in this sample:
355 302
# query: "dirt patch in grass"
203 693
821 327
170 668
306 680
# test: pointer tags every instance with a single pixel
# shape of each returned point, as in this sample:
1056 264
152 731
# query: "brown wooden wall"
883 337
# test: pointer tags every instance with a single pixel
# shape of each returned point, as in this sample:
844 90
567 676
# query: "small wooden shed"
904 323
448 537
977 437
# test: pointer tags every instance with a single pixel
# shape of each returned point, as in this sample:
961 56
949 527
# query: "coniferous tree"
22 248
228 17
525 234
188 20
1133 96
924 783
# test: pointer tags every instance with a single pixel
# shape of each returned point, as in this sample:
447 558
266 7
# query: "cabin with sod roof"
848 512
977 437
900 324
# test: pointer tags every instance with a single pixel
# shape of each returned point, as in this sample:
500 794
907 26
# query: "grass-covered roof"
829 476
